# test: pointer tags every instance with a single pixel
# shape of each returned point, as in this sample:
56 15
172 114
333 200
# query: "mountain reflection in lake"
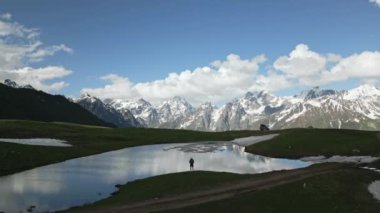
88 179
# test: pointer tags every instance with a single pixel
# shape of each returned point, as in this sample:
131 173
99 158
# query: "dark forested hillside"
29 104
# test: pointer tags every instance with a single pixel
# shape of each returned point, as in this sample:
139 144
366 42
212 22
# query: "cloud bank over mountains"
217 82
308 68
234 76
20 47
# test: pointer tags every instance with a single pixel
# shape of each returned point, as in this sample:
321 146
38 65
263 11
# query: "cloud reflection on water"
79 181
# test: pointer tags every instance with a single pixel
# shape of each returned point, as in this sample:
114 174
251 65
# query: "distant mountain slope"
106 112
142 110
28 104
173 112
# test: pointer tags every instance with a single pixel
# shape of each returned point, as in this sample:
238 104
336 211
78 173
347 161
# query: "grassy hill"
30 104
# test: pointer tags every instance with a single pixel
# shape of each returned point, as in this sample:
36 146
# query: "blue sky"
140 42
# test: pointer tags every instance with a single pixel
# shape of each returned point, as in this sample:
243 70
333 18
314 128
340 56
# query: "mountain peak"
316 92
143 102
178 99
10 83
206 105
28 86
316 88
258 94
362 91
13 84
85 95
174 109
249 95
262 93
366 87
88 97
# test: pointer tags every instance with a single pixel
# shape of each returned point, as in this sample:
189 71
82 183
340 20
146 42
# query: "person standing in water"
191 162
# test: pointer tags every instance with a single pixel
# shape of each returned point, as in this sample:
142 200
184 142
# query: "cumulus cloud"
217 82
364 65
19 48
377 2
302 64
309 68
37 76
232 77
273 81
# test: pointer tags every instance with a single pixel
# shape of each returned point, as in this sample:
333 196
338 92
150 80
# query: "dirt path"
221 192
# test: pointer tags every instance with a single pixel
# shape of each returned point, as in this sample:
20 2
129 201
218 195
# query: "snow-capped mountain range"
358 108
106 112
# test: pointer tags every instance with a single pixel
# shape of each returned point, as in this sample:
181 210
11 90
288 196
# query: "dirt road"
222 192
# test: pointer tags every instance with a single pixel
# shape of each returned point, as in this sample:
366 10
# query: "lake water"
88 179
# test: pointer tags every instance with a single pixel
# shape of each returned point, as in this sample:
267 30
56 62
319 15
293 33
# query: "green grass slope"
163 186
296 143
343 191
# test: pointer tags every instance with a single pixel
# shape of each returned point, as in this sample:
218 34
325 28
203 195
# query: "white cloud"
6 16
19 47
302 64
38 76
364 65
310 68
377 2
11 28
41 53
272 82
218 82
233 77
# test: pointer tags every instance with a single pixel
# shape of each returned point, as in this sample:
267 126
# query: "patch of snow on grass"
374 189
247 141
371 169
341 159
37 142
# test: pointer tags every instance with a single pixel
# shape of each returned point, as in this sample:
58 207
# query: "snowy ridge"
361 92
142 110
106 112
173 110
358 108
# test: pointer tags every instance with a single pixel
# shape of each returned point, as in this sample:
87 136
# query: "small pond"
88 179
